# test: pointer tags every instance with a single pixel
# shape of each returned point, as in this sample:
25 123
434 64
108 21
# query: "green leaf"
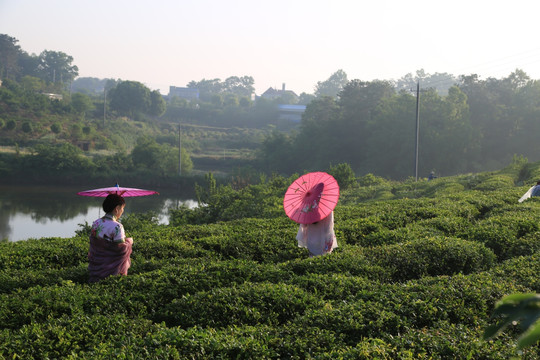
529 337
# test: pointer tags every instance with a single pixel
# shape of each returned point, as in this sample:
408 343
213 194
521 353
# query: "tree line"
52 67
466 124
149 161
478 125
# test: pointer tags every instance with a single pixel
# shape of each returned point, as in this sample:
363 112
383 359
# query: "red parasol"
311 197
122 191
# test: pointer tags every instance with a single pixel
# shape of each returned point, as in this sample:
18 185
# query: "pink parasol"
311 197
122 191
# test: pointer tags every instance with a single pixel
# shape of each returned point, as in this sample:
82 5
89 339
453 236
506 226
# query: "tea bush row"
260 317
416 275
145 294
133 339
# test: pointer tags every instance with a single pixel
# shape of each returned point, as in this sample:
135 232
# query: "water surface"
47 211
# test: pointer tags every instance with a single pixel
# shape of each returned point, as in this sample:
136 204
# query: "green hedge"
431 257
415 276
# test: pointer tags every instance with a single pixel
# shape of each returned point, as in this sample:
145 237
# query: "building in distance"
272 94
291 113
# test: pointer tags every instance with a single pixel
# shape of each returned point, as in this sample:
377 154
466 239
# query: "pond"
47 211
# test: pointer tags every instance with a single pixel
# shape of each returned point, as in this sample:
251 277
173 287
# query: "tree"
331 86
276 152
185 161
61 158
217 100
240 86
56 128
305 98
358 102
32 83
359 98
245 102
150 155
28 65
447 139
9 54
490 102
147 153
56 67
157 104
438 81
344 175
230 100
207 88
517 79
81 103
27 127
316 142
11 124
527 112
76 131
89 85
129 98
390 138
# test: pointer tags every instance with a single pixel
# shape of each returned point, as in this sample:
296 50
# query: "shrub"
495 182
43 254
354 232
248 304
344 175
334 286
432 257
56 128
522 270
241 342
412 278
95 336
452 341
354 321
11 124
26 127
371 180
141 221
348 260
508 235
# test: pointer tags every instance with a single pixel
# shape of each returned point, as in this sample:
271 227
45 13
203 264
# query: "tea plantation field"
419 268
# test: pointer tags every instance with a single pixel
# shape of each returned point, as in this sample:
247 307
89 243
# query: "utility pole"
417 129
179 150
104 105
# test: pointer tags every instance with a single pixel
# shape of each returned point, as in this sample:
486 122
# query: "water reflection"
37 212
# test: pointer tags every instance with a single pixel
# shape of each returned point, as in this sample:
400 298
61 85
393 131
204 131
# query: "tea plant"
419 269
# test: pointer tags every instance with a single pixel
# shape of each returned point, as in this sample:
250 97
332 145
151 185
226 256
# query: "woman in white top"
319 238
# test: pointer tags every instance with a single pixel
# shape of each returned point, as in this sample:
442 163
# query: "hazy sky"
297 42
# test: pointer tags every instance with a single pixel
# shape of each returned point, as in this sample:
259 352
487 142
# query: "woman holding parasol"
310 201
110 249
